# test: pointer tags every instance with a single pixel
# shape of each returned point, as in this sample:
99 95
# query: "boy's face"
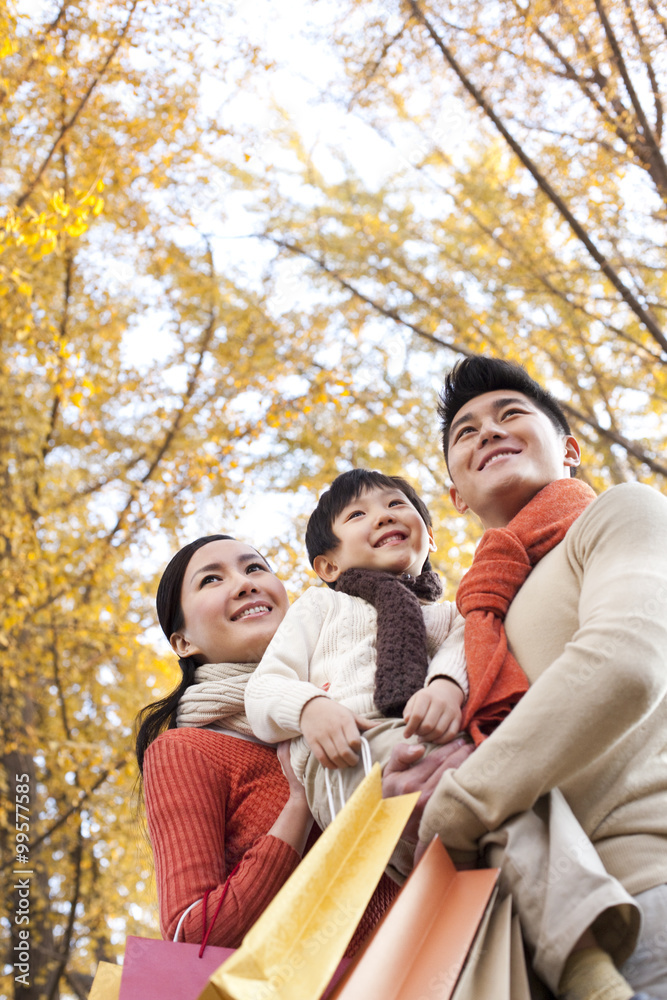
379 530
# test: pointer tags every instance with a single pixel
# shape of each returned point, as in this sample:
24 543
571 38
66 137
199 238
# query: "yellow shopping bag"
106 984
292 951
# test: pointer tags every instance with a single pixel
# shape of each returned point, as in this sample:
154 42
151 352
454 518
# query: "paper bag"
496 965
164 970
421 945
294 948
106 984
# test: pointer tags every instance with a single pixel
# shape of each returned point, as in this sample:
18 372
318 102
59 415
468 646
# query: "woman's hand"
296 789
294 823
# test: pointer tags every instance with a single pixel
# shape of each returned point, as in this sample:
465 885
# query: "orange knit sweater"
210 798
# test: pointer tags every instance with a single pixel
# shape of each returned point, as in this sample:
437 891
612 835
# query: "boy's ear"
458 500
182 646
326 569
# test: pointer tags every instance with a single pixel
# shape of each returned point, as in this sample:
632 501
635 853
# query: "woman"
217 802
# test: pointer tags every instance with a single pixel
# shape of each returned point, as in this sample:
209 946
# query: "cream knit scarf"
216 697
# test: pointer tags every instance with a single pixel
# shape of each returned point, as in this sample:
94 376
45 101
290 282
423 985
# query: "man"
586 598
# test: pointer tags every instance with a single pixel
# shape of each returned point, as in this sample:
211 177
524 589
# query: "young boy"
371 652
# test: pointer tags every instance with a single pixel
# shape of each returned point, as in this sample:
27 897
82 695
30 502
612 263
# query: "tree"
321 347
111 171
555 225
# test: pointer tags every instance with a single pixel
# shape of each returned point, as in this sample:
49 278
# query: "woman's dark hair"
476 375
160 715
345 489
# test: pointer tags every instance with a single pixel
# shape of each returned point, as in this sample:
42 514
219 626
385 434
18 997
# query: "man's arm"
594 696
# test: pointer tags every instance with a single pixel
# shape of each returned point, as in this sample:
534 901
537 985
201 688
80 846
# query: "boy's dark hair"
476 375
345 489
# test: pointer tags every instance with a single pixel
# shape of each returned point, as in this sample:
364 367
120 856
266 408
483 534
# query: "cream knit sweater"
326 645
589 627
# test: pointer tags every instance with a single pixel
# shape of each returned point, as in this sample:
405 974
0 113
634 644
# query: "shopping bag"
496 966
165 970
292 951
106 984
420 947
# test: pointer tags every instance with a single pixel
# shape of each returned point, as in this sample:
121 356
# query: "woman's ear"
182 646
326 569
432 547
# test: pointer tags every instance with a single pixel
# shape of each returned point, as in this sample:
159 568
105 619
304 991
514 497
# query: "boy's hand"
434 712
332 732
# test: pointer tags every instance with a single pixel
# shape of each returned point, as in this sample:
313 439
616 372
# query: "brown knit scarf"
402 659
503 560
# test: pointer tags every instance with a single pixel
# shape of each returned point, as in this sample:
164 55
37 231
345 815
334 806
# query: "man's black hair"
476 375
345 489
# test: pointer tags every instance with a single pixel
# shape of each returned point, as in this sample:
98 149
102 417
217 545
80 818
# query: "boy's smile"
379 530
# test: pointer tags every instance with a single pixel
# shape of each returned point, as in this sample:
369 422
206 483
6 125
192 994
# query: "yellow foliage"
332 359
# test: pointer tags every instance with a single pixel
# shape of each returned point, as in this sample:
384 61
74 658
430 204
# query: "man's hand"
407 770
332 732
434 712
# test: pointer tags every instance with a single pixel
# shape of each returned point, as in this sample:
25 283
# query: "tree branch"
185 401
631 447
650 72
40 43
75 807
654 159
628 297
658 16
71 121
77 855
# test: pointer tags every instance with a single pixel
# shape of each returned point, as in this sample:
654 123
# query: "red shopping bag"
164 970
157 970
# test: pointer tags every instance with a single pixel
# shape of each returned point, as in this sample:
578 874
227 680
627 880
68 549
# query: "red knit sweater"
210 798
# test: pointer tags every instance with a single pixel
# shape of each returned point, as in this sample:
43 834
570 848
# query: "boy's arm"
449 660
434 713
279 687
332 732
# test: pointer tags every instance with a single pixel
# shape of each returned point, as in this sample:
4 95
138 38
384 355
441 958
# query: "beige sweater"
326 645
589 627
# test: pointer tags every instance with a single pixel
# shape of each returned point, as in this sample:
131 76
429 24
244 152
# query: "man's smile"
498 453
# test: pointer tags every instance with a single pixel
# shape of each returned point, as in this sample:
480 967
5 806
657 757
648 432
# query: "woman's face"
232 604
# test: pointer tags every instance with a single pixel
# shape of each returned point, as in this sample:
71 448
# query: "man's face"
502 451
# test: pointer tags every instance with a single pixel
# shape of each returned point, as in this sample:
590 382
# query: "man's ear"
572 451
182 646
458 500
432 547
326 569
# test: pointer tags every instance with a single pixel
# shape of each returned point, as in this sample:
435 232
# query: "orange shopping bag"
421 945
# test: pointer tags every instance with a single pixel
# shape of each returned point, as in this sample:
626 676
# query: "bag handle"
204 900
367 761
